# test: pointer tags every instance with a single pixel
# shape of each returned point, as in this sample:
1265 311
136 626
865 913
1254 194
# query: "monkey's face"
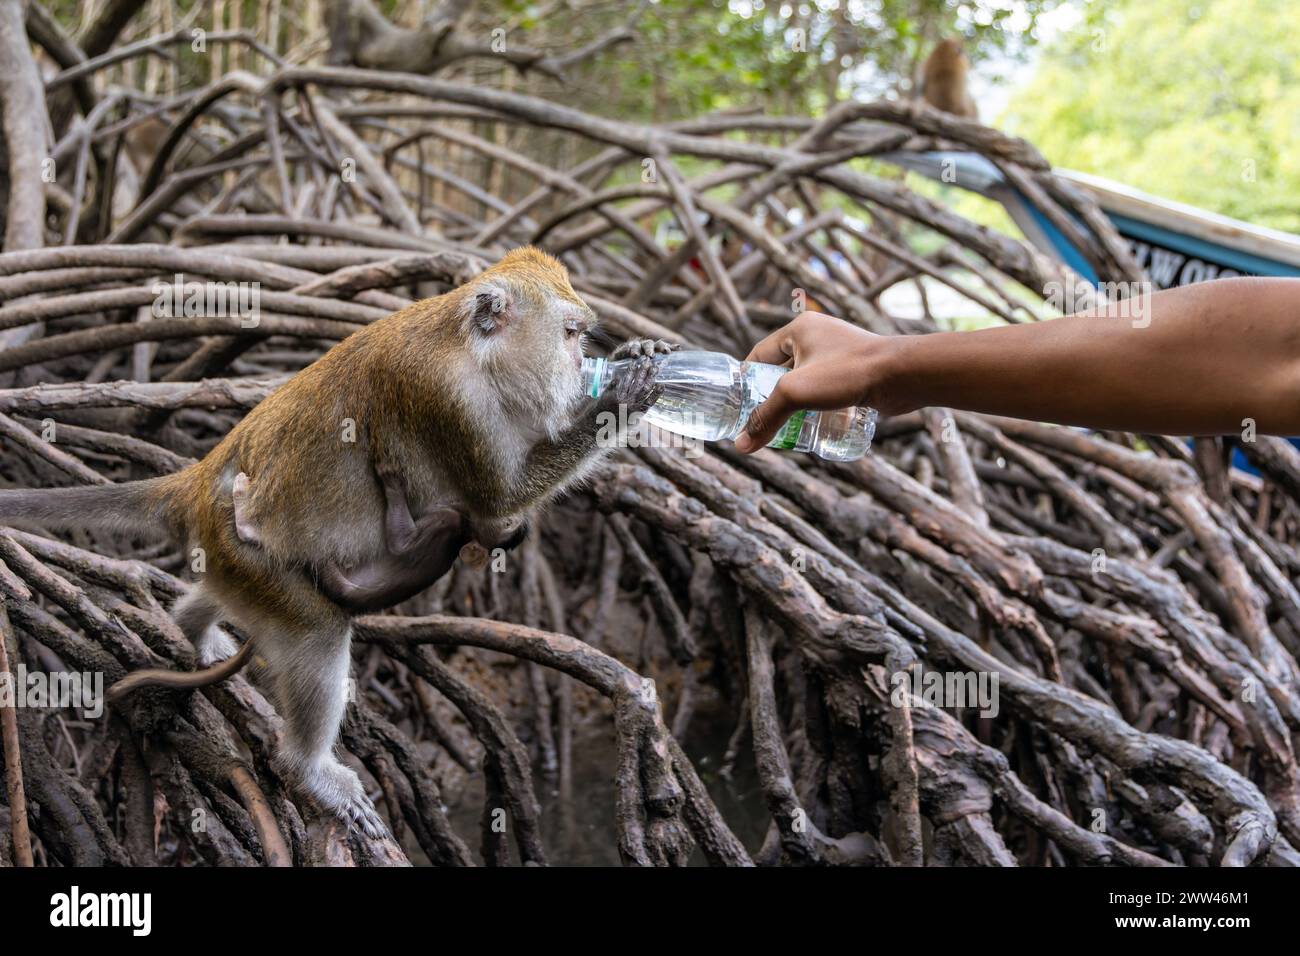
553 335
526 327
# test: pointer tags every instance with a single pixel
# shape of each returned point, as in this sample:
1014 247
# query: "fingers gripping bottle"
710 396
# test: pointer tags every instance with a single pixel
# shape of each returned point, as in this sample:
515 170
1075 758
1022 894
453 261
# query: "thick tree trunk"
22 108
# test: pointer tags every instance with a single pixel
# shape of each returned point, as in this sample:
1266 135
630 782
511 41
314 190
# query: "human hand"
834 365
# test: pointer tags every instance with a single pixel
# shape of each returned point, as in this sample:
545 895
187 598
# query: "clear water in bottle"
710 395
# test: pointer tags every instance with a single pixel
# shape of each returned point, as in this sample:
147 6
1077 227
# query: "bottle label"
597 376
788 436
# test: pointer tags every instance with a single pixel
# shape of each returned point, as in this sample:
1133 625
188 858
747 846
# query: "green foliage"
1195 100
698 56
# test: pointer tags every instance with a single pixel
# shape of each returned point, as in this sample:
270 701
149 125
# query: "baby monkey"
354 485
418 551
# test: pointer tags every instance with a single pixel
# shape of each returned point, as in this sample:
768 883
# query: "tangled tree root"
1135 598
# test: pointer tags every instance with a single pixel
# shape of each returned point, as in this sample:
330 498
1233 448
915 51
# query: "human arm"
1197 360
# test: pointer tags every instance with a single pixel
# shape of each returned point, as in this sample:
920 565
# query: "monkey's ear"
490 310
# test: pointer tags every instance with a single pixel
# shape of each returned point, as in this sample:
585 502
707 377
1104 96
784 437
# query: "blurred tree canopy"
697 56
1195 100
1191 99
690 56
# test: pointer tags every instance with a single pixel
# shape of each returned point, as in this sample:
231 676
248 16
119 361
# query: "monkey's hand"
635 390
556 460
244 526
489 536
636 348
475 556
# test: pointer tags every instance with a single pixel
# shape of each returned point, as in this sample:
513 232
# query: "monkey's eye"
572 331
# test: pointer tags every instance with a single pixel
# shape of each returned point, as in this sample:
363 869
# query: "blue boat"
1175 243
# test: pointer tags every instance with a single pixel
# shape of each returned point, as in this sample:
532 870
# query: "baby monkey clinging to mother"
360 478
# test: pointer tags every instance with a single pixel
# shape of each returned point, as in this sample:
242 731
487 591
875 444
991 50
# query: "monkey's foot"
214 645
338 789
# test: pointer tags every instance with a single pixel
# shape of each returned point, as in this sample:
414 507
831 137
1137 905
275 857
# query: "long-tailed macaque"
944 80
363 475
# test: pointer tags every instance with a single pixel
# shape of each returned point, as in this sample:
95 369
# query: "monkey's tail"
180 680
128 506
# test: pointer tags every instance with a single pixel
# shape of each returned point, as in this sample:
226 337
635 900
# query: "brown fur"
145 139
944 80
470 397
398 380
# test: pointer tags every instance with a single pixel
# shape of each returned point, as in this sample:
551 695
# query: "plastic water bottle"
710 396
